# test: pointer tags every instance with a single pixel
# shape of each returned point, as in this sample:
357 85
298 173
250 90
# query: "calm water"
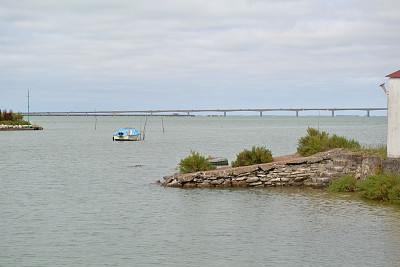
70 196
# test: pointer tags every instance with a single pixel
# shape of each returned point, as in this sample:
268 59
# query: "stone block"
189 185
252 179
239 184
391 165
185 178
174 183
312 160
300 178
216 182
256 184
205 183
341 162
338 168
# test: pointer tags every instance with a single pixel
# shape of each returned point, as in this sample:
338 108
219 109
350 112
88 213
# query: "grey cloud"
197 45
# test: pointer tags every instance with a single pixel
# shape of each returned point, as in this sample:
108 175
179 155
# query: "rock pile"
315 171
5 127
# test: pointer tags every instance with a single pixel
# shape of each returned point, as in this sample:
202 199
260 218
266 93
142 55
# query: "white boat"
127 134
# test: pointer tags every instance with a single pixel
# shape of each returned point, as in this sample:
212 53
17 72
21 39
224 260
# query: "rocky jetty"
33 126
314 171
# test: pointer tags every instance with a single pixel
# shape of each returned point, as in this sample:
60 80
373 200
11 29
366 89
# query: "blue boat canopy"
127 131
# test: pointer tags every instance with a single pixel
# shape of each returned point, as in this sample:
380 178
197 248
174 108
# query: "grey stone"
275 180
314 160
252 179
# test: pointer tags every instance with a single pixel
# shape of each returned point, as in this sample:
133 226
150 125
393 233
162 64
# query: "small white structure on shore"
393 93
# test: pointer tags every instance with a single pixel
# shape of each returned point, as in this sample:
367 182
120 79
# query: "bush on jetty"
256 155
194 163
381 187
317 141
346 183
11 118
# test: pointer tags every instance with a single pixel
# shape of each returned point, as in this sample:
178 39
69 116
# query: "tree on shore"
9 117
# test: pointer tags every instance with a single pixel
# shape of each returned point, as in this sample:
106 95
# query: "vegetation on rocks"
381 187
317 141
11 118
194 163
379 150
346 183
256 155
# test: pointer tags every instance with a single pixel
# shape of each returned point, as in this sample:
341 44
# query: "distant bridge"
189 112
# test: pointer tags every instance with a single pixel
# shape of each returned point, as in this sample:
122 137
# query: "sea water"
70 196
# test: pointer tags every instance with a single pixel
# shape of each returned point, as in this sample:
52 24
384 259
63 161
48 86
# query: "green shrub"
317 141
340 141
10 118
346 183
382 187
256 155
394 194
194 163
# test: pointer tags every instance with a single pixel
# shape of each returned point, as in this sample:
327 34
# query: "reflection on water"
69 196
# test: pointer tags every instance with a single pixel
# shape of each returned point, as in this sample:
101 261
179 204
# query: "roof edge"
395 74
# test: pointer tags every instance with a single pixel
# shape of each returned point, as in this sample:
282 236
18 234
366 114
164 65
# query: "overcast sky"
75 55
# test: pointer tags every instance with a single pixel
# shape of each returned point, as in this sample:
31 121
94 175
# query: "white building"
393 137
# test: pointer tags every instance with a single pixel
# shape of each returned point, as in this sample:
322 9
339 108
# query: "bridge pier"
333 113
224 113
297 113
260 113
188 114
368 112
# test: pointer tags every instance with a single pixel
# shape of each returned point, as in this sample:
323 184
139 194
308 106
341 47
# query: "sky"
86 55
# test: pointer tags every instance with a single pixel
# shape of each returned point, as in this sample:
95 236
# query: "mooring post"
29 119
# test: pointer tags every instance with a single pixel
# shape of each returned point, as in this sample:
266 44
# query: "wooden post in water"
29 119
144 129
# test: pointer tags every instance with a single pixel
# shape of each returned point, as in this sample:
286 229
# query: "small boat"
127 134
218 161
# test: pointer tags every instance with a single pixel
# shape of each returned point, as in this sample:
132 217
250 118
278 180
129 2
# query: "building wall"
393 138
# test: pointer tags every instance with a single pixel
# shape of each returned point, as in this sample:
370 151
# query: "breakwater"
314 171
4 127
